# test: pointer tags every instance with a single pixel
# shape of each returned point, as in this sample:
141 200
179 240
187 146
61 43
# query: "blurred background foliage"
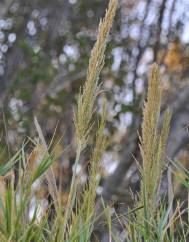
44 52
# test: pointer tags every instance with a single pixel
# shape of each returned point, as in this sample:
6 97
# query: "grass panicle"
88 94
153 141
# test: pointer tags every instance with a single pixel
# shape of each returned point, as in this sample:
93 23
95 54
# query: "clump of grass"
15 199
151 220
75 221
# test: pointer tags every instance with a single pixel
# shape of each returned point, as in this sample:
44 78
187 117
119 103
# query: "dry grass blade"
2 192
49 174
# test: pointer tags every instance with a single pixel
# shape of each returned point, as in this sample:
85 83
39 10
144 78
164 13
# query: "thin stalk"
73 189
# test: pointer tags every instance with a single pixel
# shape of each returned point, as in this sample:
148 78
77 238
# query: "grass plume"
153 141
88 95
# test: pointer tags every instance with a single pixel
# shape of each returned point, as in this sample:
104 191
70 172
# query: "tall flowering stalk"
153 141
87 98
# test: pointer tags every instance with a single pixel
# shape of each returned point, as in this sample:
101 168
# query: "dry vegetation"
153 219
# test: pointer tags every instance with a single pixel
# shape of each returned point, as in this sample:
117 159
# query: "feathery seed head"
90 91
153 142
